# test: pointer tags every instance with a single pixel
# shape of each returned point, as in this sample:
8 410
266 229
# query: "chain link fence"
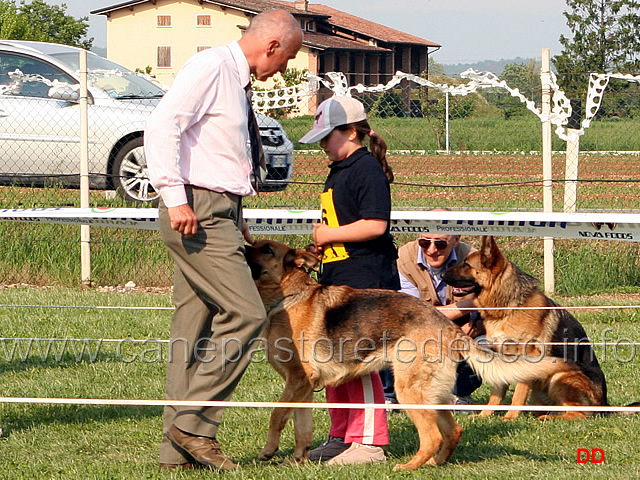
477 151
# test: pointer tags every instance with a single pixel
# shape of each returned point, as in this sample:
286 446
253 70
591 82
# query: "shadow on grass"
18 419
480 441
24 416
20 362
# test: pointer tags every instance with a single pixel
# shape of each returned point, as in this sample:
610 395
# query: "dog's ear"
266 249
301 259
490 254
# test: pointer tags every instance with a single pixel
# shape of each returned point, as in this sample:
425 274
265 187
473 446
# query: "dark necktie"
257 154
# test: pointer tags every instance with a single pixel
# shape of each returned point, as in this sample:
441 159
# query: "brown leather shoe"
203 450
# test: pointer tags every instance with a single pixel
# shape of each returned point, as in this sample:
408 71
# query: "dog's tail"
499 368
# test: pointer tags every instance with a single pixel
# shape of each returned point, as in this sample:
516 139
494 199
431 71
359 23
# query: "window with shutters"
164 57
203 20
164 20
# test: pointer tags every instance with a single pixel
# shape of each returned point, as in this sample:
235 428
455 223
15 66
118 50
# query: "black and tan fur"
500 284
302 312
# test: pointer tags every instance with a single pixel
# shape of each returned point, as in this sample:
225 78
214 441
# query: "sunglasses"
439 244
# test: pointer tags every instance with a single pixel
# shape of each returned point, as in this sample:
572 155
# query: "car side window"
24 82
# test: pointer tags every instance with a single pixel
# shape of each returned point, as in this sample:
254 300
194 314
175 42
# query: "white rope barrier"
311 405
85 307
599 226
101 340
471 309
508 342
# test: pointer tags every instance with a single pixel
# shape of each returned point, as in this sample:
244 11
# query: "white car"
40 122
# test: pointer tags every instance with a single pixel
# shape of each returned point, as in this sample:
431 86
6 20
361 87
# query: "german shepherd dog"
499 284
320 335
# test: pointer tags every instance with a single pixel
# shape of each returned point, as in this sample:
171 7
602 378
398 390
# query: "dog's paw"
484 413
413 465
511 416
546 417
267 454
293 461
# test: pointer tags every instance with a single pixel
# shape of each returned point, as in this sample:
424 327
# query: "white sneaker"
358 454
389 401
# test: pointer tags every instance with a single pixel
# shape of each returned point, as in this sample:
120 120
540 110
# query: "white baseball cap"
331 113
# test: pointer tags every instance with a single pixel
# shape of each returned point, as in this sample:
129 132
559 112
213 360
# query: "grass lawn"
96 442
62 441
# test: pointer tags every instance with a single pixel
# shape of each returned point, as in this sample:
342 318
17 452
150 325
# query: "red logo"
595 455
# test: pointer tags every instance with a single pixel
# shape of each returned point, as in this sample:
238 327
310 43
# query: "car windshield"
116 80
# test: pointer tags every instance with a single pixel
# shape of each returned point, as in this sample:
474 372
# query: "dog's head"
480 269
271 262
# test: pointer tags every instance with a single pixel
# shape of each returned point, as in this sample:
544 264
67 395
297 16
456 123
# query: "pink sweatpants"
367 426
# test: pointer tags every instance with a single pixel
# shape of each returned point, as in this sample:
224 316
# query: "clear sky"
468 30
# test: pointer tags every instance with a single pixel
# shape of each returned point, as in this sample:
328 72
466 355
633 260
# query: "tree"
606 38
42 22
524 77
435 68
11 24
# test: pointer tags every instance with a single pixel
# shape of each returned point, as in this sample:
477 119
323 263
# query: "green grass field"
107 442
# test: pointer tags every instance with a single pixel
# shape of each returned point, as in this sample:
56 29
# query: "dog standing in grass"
320 335
500 284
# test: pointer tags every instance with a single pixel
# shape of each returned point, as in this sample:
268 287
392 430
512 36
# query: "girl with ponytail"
357 250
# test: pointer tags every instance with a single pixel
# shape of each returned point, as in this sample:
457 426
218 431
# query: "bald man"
196 149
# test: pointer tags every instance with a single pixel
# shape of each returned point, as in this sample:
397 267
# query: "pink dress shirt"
198 133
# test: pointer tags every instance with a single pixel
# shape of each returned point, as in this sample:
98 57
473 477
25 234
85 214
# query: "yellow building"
163 34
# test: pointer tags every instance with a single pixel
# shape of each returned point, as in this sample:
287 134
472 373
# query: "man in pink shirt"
196 150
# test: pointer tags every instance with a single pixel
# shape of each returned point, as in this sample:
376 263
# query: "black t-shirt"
357 188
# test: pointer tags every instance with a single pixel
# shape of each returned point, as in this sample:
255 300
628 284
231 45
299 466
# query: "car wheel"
130 175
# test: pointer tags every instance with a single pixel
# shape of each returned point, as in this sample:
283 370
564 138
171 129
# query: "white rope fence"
510 342
472 309
312 405
86 307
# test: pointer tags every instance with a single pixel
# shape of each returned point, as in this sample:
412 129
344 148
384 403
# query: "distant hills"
493 66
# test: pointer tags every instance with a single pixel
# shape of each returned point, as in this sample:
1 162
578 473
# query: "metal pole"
547 172
85 232
446 109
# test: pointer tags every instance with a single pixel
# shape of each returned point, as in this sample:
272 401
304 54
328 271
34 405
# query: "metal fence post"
85 232
547 172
